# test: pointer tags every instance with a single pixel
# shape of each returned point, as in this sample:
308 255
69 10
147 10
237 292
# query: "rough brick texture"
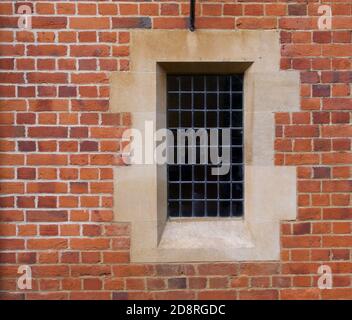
59 146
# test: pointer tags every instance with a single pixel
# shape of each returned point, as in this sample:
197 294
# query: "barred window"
210 103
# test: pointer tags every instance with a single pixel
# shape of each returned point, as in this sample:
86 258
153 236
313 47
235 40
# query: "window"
211 103
141 196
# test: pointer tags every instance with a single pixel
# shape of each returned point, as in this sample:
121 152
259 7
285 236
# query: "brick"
47 132
302 228
300 241
340 117
88 78
258 269
340 130
322 36
107 9
46 50
90 51
249 23
149 9
46 216
48 230
302 131
337 213
337 104
49 22
321 91
258 294
26 173
177 283
88 23
46 159
321 172
300 294
337 158
25 202
159 284
341 144
89 244
301 159
98 270
211 22
124 22
42 244
217 295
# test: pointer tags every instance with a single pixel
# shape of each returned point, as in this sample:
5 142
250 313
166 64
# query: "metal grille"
206 101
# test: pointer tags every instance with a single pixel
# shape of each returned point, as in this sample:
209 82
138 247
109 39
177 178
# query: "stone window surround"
270 191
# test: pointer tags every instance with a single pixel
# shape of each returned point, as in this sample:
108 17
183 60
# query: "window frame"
139 190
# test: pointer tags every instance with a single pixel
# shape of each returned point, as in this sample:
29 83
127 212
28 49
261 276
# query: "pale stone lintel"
270 192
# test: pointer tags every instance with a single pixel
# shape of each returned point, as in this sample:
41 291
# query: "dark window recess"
206 101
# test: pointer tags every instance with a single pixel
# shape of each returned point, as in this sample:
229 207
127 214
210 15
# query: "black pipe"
192 15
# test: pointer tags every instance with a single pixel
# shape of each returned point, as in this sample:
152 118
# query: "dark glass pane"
237 173
237 83
198 120
210 176
199 173
173 101
186 208
212 208
173 208
224 119
199 191
236 136
212 101
198 83
212 191
212 119
199 208
225 191
237 118
174 173
224 83
186 101
186 83
173 83
199 101
186 119
186 190
224 101
225 209
173 119
186 173
211 83
237 101
237 155
174 191
237 209
237 191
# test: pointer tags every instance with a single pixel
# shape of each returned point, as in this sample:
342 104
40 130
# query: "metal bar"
192 15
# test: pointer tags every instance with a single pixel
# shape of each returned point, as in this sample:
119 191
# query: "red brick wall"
59 146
